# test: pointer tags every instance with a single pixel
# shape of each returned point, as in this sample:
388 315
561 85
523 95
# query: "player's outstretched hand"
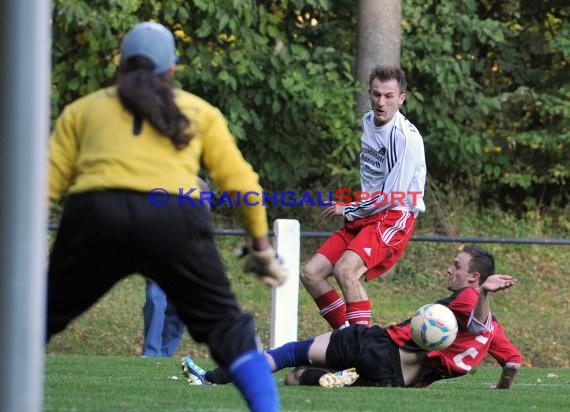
334 210
498 282
267 266
508 376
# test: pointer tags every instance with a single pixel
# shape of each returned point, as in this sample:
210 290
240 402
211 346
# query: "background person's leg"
173 330
154 320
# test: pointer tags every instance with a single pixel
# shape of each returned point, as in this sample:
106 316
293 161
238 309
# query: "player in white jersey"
379 221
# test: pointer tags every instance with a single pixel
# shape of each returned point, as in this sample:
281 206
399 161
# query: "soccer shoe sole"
338 379
190 377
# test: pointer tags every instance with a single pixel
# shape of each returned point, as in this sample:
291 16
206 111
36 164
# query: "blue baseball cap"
153 41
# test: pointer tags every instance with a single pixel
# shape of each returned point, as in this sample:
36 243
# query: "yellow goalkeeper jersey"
95 145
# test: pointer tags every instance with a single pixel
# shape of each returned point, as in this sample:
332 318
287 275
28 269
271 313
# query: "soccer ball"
434 327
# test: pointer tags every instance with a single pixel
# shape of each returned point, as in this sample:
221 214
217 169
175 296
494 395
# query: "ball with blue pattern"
434 327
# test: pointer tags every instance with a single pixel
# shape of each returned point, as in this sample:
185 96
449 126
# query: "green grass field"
95 364
126 383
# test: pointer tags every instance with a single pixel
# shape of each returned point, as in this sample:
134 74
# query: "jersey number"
471 352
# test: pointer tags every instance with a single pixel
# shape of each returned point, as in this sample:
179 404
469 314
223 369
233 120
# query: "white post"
24 130
285 303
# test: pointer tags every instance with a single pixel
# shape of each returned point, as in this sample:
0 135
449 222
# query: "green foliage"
280 71
489 84
490 92
284 86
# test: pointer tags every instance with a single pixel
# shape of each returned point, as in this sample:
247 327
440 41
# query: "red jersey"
468 350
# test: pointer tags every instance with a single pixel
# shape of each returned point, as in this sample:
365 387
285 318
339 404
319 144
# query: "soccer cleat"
193 373
339 379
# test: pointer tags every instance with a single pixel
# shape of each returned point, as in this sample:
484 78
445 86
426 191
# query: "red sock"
332 308
359 313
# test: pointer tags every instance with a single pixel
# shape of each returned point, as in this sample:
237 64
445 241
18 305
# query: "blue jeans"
163 329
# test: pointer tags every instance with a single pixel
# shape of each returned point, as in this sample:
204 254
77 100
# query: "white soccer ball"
434 327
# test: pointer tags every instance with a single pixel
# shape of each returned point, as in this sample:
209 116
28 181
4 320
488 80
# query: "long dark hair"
151 97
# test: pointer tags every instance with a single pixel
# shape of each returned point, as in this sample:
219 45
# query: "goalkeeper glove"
267 266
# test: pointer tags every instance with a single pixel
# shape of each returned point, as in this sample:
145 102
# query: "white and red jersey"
392 168
468 350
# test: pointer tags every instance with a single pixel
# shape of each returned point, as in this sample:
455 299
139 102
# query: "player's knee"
346 273
311 275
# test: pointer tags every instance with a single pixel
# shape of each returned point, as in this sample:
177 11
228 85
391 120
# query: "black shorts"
371 351
106 236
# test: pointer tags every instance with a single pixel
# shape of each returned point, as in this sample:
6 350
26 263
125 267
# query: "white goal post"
285 298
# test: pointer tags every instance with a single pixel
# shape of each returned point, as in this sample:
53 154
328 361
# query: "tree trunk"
378 40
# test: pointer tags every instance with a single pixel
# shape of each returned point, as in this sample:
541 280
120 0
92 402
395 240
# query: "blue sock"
291 354
252 375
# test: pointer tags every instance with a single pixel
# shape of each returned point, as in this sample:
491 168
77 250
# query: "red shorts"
379 240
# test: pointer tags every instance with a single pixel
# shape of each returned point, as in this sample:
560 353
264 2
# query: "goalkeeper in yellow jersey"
128 157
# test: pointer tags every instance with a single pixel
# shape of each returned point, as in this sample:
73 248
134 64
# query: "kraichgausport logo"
342 196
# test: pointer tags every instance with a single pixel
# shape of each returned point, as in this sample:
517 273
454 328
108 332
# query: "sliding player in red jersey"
389 357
